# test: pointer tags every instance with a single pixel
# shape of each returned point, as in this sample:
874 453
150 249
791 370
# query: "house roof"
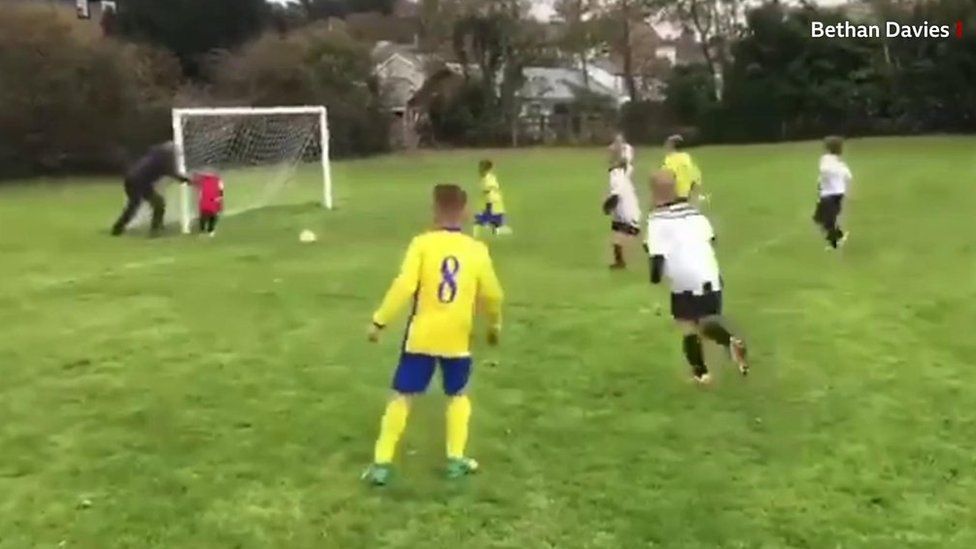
559 84
384 49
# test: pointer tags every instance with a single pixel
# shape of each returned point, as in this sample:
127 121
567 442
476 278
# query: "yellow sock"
458 415
391 428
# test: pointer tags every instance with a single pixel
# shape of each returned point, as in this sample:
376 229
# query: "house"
400 71
411 81
563 105
655 53
553 90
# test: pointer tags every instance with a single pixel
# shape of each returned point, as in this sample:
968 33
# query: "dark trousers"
208 222
826 214
135 194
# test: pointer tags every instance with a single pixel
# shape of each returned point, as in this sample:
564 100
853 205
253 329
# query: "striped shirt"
683 237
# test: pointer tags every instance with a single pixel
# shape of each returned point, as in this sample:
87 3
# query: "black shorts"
828 209
692 307
624 228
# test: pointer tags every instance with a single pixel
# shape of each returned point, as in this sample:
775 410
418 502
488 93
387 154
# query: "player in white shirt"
622 152
621 203
835 178
679 242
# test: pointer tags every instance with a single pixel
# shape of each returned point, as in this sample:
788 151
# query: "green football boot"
461 467
378 474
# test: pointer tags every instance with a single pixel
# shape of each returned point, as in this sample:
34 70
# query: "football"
307 236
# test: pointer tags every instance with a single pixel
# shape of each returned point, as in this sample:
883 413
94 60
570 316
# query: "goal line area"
266 156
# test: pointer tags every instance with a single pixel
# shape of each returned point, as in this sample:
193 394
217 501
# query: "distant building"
401 71
654 55
552 90
406 9
94 8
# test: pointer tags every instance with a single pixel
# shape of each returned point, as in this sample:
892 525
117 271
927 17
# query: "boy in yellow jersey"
686 174
447 274
494 212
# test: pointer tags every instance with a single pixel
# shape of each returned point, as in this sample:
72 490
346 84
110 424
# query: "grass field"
196 393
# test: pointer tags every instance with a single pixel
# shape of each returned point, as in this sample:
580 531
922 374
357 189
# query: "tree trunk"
704 40
628 53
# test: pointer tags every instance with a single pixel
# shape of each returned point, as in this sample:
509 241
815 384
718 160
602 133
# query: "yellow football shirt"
448 274
686 173
493 193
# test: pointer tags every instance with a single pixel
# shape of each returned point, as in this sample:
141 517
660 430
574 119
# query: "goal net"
266 157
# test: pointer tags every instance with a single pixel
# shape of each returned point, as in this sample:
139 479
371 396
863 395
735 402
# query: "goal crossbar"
255 111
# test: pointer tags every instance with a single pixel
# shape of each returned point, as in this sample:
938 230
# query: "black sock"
693 352
618 254
714 330
834 235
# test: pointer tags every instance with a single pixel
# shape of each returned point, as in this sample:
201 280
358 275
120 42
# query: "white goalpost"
265 155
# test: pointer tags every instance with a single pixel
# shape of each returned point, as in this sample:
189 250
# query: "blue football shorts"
414 372
488 217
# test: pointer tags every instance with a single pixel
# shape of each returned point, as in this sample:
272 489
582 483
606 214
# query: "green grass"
185 393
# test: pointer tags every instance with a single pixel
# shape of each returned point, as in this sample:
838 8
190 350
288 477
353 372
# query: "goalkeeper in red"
447 274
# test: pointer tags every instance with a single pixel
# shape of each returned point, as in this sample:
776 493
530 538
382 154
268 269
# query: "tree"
580 30
324 9
76 101
499 39
783 84
716 23
618 20
192 28
690 95
309 66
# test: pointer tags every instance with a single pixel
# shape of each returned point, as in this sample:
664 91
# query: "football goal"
270 156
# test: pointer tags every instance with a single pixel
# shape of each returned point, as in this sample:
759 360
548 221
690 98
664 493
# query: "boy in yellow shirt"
494 212
447 274
687 176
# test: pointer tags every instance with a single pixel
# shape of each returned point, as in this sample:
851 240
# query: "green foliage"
783 84
935 80
323 9
690 93
73 101
463 117
312 66
499 45
646 122
192 28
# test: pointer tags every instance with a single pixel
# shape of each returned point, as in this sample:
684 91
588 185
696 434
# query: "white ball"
307 236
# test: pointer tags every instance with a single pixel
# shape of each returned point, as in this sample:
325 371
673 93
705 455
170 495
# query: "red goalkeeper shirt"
211 192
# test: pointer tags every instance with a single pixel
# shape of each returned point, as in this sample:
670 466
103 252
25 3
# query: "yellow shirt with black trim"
493 193
686 173
448 275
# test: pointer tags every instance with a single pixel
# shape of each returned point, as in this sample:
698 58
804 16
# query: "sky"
543 8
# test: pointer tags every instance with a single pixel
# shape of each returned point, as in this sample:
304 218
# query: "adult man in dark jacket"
140 184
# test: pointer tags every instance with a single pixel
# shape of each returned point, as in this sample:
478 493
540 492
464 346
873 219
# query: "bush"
690 94
461 118
72 101
312 66
192 28
646 122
